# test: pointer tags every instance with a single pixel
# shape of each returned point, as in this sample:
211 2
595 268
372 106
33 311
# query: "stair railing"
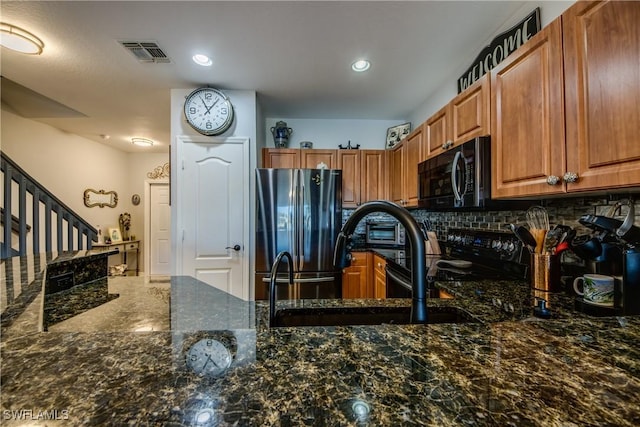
78 233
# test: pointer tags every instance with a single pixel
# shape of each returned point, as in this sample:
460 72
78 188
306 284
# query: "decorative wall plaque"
163 171
501 47
100 198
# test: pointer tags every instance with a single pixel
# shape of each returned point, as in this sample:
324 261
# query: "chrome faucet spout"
416 241
273 282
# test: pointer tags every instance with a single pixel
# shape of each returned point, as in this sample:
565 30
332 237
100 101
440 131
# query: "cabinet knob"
444 145
379 265
553 179
570 177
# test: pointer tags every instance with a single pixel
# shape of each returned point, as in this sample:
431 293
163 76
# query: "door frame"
147 220
177 172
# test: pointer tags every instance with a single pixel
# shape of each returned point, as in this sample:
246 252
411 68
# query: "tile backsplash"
566 211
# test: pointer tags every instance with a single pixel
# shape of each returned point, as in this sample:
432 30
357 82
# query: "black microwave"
459 178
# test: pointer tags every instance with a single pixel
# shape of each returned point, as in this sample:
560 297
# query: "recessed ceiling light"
15 38
361 65
143 142
201 59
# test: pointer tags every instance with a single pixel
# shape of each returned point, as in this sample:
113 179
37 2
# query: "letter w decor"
499 48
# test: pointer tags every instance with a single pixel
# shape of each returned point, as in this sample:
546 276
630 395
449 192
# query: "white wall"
370 134
244 125
549 10
68 164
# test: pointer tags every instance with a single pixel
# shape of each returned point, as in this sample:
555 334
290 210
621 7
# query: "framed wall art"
395 134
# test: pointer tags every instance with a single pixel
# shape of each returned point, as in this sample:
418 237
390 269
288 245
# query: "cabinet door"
310 159
471 111
602 83
281 158
413 147
380 277
397 165
374 179
349 162
437 132
527 117
355 278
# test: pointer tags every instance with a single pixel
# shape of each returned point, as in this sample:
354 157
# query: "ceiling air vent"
146 51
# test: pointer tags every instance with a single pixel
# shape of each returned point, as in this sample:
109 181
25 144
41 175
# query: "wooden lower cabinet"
379 277
356 282
365 277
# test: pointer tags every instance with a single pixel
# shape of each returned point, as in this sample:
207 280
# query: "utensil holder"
545 272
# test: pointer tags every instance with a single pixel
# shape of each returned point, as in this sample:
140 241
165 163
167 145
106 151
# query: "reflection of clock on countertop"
210 354
208 111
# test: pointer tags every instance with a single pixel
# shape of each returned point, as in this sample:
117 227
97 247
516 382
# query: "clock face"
208 111
208 357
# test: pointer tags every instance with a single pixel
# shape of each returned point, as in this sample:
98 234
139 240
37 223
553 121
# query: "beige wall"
67 164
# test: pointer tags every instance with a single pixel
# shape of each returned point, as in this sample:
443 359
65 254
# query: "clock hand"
212 105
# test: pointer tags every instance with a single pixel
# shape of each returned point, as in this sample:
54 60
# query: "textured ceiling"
295 55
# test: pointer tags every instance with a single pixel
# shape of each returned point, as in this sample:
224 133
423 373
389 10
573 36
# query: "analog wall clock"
208 357
208 111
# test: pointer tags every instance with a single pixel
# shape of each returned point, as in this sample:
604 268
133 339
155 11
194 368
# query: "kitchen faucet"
272 283
416 240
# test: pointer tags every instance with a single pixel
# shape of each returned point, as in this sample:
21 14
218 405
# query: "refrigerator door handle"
301 241
293 222
307 280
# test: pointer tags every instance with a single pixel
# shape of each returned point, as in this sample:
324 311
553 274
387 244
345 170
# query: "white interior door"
159 230
214 212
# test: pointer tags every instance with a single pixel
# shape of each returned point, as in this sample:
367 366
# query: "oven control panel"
485 244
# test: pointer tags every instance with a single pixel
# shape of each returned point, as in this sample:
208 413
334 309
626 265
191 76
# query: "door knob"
234 247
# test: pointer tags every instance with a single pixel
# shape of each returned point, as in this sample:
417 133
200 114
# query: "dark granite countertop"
125 363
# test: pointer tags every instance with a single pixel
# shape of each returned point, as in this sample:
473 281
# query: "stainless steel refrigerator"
299 211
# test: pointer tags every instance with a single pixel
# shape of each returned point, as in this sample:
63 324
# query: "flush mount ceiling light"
15 38
361 65
143 142
201 59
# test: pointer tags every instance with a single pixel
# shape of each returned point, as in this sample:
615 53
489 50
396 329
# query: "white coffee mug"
597 289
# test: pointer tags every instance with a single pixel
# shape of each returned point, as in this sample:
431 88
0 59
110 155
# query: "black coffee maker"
614 250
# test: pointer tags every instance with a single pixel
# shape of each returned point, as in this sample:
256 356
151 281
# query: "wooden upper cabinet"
284 158
350 163
437 131
465 117
527 117
374 182
397 163
413 144
602 92
281 158
310 159
403 168
471 112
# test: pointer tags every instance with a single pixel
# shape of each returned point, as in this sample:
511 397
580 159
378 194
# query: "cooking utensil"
524 236
538 221
537 218
551 239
